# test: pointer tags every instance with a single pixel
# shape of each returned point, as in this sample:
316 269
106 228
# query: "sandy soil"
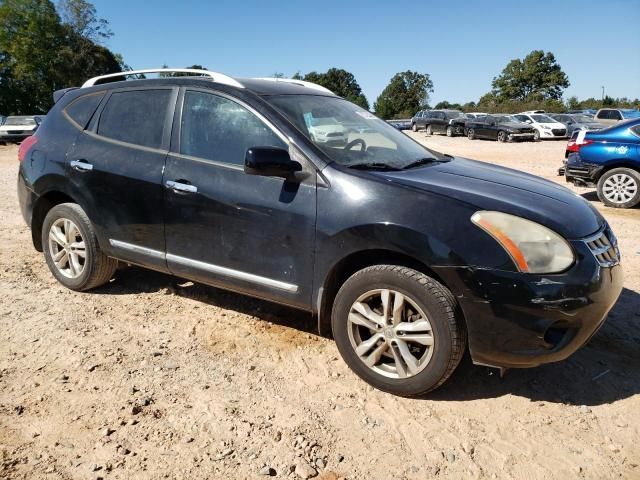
155 377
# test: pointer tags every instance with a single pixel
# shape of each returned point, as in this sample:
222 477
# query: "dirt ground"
155 377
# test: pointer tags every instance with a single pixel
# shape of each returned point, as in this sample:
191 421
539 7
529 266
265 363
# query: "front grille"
604 247
559 131
526 130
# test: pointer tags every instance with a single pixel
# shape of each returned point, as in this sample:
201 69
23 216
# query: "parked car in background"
585 111
418 120
611 116
450 122
575 122
2 119
530 112
545 126
401 124
502 128
610 160
17 128
327 130
404 254
475 114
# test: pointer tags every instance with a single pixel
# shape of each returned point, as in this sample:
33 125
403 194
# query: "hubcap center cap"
389 333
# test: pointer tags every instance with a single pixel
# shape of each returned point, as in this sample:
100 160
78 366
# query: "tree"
537 77
82 18
406 93
40 53
340 82
444 105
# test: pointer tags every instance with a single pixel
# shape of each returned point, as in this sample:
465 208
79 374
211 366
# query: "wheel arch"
350 264
41 207
618 163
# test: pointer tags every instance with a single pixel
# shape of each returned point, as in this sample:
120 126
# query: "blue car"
610 160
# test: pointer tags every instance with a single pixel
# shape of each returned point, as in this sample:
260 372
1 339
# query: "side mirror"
270 162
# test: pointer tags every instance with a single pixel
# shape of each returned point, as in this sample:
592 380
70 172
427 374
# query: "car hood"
327 128
490 187
552 124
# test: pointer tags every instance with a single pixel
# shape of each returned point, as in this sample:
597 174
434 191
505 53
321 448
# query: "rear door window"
135 116
81 109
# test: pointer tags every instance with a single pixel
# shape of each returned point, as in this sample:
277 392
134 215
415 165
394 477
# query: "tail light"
25 146
574 146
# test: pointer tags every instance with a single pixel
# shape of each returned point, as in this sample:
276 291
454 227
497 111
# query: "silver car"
576 122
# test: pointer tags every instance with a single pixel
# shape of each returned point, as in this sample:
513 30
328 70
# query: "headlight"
533 247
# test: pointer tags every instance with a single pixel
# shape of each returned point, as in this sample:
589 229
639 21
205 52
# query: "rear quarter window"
136 117
81 109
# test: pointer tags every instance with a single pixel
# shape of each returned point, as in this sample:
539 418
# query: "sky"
462 45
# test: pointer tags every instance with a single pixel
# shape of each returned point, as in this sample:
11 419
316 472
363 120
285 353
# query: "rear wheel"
397 329
429 130
471 134
502 136
619 188
71 249
414 127
450 131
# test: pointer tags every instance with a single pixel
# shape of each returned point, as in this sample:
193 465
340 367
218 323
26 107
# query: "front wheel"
619 188
71 249
398 329
536 136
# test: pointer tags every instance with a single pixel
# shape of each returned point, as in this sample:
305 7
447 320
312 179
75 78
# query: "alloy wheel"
390 334
619 188
67 248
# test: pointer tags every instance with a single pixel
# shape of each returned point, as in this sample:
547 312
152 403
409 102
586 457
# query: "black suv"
405 255
450 122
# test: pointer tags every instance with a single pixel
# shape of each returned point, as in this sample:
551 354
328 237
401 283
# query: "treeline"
43 49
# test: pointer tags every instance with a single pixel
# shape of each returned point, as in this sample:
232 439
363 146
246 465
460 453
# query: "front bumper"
525 320
521 136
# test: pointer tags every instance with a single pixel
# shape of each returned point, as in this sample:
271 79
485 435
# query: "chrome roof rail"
215 76
302 83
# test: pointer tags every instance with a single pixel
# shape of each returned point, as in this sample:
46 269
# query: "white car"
329 131
17 128
546 127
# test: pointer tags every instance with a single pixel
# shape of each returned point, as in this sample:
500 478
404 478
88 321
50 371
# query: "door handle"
81 165
182 187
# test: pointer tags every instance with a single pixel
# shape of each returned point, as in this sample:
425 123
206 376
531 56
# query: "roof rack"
215 76
302 83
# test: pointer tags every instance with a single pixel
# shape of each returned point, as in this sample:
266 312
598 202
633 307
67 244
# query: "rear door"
116 167
248 233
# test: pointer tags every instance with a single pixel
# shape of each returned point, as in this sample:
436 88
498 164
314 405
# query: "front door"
248 233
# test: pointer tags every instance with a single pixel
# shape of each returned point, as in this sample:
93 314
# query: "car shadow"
592 196
134 280
605 370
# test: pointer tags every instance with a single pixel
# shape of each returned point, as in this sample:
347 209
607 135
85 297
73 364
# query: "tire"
95 269
432 305
471 134
429 130
414 127
536 136
450 132
502 136
619 188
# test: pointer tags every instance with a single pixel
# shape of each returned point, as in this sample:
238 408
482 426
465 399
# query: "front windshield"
582 119
542 119
20 121
348 134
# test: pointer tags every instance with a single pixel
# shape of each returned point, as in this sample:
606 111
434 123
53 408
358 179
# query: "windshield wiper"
373 166
420 161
